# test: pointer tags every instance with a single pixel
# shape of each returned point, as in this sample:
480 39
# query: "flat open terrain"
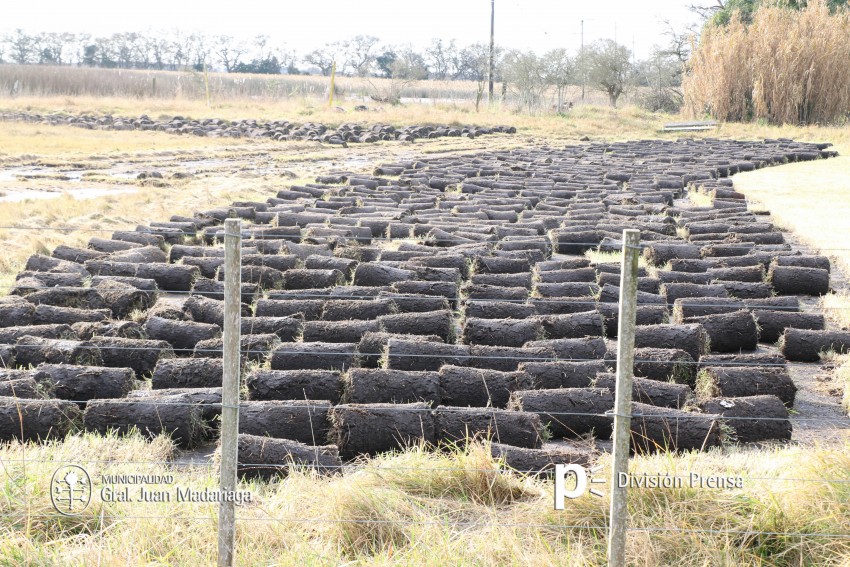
419 507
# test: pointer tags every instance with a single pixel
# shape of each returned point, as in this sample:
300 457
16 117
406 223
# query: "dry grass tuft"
788 67
421 508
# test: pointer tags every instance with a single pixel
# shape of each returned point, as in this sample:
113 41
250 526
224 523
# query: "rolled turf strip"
498 310
501 332
82 383
657 429
459 425
475 387
375 386
652 392
748 359
747 290
675 291
254 348
177 416
314 356
295 385
371 347
691 338
665 364
311 309
187 373
208 398
539 461
569 412
659 253
22 388
562 374
730 332
305 421
36 420
287 329
139 354
588 348
687 307
802 345
821 262
338 331
261 457
50 314
120 329
505 359
403 354
772 324
9 335
7 356
368 429
765 417
741 381
573 326
32 351
438 323
794 280
784 303
16 311
182 335
644 315
202 309
363 310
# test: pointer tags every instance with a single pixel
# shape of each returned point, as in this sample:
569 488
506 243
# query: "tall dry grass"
27 81
46 80
419 507
788 67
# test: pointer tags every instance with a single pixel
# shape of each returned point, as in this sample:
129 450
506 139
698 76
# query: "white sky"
306 24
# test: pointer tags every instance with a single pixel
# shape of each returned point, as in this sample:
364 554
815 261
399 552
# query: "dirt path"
818 412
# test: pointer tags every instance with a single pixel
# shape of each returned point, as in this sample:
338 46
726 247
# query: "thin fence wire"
454 523
283 295
372 468
300 404
85 345
439 240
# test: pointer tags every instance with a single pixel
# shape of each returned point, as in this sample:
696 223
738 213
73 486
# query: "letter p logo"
561 492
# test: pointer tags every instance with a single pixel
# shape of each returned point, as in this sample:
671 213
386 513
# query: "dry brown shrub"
787 66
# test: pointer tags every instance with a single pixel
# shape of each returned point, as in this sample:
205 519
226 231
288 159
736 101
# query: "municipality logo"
70 490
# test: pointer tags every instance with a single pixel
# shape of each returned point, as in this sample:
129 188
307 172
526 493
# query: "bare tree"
55 48
23 47
609 68
526 76
288 60
442 59
322 58
706 10
229 51
359 54
161 49
559 70
404 67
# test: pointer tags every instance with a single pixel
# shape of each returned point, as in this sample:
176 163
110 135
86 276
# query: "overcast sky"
303 25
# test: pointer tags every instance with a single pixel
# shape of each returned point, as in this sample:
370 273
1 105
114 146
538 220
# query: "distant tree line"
531 78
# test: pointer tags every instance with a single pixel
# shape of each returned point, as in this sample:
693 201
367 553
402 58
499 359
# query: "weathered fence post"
623 397
230 388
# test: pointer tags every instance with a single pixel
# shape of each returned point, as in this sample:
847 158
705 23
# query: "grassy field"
414 507
425 508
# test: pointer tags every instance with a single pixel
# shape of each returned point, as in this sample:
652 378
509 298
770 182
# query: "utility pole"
492 47
583 62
